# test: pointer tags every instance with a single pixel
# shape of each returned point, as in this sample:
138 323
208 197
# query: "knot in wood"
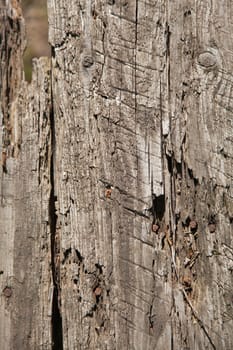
87 61
207 59
7 291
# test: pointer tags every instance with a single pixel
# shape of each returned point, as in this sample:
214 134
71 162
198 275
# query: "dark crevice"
179 168
163 242
99 268
79 256
158 207
52 51
186 222
66 254
151 317
90 313
169 164
191 176
168 34
174 166
212 219
57 334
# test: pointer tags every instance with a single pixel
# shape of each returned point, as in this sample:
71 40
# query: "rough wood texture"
117 202
25 243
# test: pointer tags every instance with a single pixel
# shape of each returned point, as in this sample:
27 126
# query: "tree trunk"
116 179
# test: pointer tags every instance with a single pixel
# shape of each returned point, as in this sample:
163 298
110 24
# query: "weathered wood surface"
129 129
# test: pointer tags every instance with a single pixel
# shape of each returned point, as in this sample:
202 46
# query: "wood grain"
118 209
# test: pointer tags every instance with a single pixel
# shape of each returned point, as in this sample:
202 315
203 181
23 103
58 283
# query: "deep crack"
57 333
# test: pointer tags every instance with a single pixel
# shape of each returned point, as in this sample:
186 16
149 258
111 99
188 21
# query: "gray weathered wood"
116 191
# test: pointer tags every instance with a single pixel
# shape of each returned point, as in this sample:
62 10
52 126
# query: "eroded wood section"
26 278
11 26
25 221
33 285
11 46
143 122
200 158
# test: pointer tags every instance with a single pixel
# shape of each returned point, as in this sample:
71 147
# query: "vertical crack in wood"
57 332
170 193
